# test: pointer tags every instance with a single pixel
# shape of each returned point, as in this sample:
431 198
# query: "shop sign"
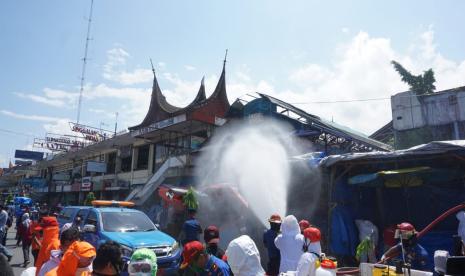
86 184
29 155
91 133
93 166
159 125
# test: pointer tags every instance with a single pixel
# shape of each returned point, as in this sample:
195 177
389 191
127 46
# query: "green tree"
9 198
89 198
421 84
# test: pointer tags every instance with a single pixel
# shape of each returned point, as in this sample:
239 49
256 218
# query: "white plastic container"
327 268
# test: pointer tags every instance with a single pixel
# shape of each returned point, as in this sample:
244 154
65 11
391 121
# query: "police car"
132 229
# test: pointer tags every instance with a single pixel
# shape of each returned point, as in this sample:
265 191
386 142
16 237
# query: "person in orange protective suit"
50 240
77 260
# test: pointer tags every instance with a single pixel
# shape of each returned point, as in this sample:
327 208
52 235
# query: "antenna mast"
84 62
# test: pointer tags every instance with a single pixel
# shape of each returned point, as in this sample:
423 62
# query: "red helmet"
405 226
313 234
304 224
405 230
275 218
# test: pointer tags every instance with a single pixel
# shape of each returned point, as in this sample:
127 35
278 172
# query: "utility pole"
84 62
116 122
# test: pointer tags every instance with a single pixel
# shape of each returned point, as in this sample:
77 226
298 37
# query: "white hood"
461 231
290 226
290 242
244 258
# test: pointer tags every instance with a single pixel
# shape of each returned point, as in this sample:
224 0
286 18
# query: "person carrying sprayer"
308 261
191 228
290 243
211 236
274 256
196 261
407 250
244 257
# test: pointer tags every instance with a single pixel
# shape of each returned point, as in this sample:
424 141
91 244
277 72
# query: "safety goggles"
140 266
404 235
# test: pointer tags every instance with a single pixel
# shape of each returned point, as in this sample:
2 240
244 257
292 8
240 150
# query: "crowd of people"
293 248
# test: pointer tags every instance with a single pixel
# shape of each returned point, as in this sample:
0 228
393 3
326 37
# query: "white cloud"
345 30
162 65
60 126
114 69
52 97
189 68
41 99
30 117
362 70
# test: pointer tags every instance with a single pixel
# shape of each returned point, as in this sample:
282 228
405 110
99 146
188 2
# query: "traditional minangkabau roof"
160 109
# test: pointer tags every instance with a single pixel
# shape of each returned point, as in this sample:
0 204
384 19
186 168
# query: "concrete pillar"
151 156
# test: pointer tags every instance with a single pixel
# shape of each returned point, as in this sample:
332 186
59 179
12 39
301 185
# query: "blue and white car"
132 229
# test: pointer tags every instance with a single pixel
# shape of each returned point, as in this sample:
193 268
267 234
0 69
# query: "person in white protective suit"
312 248
290 243
461 230
244 258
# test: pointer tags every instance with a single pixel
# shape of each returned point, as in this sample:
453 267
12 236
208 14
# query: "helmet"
304 224
313 234
275 218
405 230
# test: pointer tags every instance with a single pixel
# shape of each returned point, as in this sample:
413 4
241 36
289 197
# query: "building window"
161 153
143 157
126 164
111 163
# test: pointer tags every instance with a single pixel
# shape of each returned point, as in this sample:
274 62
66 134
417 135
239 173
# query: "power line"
344 101
16 133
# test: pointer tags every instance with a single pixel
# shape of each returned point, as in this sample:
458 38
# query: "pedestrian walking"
143 262
211 236
67 238
5 268
77 260
9 223
51 232
290 243
191 229
274 256
3 225
25 233
76 223
244 257
36 230
109 259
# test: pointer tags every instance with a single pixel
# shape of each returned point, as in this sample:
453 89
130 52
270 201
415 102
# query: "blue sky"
299 51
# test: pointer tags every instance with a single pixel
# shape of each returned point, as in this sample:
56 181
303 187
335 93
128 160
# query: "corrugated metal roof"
328 126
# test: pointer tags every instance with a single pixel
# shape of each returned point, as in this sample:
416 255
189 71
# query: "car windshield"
126 222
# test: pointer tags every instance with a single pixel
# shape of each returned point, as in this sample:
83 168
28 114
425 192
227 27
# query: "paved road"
17 260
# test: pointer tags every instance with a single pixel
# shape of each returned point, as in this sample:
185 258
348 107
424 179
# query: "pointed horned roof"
160 109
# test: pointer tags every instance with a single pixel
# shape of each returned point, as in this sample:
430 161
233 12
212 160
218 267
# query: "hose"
440 218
